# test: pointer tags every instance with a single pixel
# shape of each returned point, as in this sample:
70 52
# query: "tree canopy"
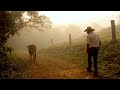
12 21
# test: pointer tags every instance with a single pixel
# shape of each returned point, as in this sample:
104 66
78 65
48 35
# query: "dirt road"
49 68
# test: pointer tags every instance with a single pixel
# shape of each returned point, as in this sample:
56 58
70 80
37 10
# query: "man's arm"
88 43
99 41
87 48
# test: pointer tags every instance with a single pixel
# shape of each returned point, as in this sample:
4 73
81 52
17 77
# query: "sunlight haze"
80 17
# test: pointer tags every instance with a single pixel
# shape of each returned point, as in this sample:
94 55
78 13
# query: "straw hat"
89 29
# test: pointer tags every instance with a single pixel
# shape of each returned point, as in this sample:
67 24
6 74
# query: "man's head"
89 30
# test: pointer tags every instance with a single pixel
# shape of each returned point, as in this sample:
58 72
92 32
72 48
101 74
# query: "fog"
58 33
43 39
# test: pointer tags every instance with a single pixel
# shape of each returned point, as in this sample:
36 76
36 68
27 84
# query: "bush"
5 50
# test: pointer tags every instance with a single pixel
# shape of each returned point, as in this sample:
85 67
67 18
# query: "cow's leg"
30 56
34 56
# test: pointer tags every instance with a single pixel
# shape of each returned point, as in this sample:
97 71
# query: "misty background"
59 33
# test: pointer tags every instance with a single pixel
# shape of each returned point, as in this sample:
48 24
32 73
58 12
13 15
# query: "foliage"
13 68
13 21
4 50
109 59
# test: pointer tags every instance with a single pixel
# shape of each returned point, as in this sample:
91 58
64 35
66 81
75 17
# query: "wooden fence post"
70 39
113 31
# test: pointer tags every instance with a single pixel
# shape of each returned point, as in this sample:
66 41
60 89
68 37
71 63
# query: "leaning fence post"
113 31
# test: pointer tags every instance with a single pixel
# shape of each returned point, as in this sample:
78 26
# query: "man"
93 44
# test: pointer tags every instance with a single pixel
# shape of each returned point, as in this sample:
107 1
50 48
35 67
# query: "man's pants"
92 52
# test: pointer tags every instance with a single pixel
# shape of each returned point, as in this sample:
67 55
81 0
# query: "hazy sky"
81 17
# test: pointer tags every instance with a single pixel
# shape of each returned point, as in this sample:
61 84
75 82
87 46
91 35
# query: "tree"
11 22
